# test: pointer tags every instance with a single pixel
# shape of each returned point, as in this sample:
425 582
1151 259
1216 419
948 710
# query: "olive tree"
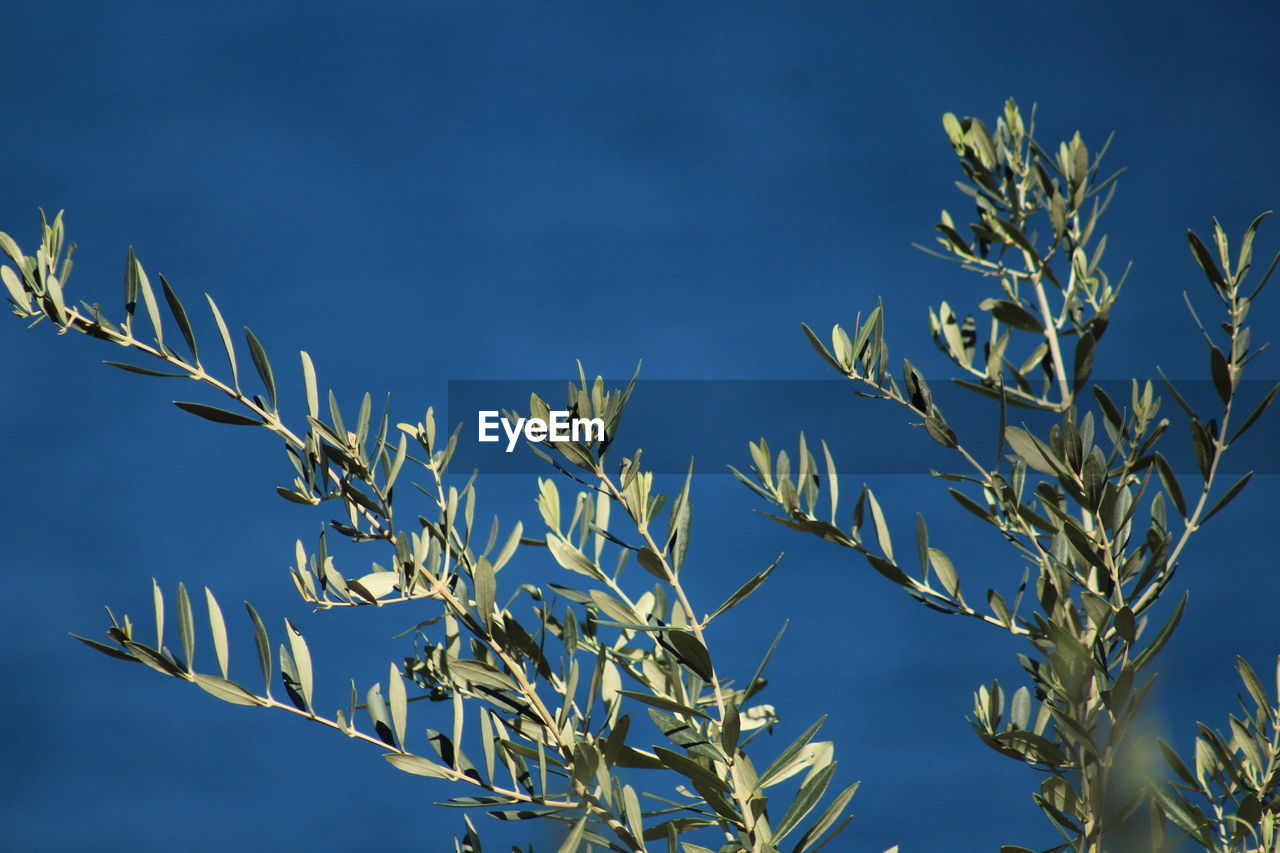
593 697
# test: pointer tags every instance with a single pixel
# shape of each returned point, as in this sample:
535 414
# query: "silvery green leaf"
219 629
227 691
301 660
262 365
396 696
227 346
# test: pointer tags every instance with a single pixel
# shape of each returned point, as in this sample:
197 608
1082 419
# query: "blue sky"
442 191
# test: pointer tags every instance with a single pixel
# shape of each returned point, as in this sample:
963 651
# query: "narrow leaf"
186 627
148 298
219 629
110 651
301 660
1258 410
746 589
133 368
264 647
262 365
213 413
227 345
1228 497
1162 637
417 765
180 315
693 653
396 696
309 379
482 575
227 691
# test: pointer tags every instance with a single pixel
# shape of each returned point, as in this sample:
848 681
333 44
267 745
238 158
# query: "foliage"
559 690
1069 502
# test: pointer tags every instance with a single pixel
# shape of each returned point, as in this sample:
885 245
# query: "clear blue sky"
489 191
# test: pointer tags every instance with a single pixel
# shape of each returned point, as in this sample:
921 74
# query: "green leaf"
1017 237
1030 747
631 804
262 365
939 430
821 348
573 842
806 798
180 315
417 765
1202 445
999 608
690 769
487 741
1251 683
10 248
110 651
1178 765
301 660
227 691
476 672
1182 814
571 558
1245 258
396 696
1257 412
152 658
309 380
17 290
186 627
133 368
1030 450
746 589
1228 497
786 764
375 584
1082 364
615 609
1166 631
213 413
827 819
1221 373
888 569
678 523
509 548
662 702
148 297
486 587
972 505
882 529
1126 626
219 629
157 600
945 571
376 708
1170 482
264 647
227 345
130 290
1020 707
1012 314
652 563
833 481
694 655
1201 253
